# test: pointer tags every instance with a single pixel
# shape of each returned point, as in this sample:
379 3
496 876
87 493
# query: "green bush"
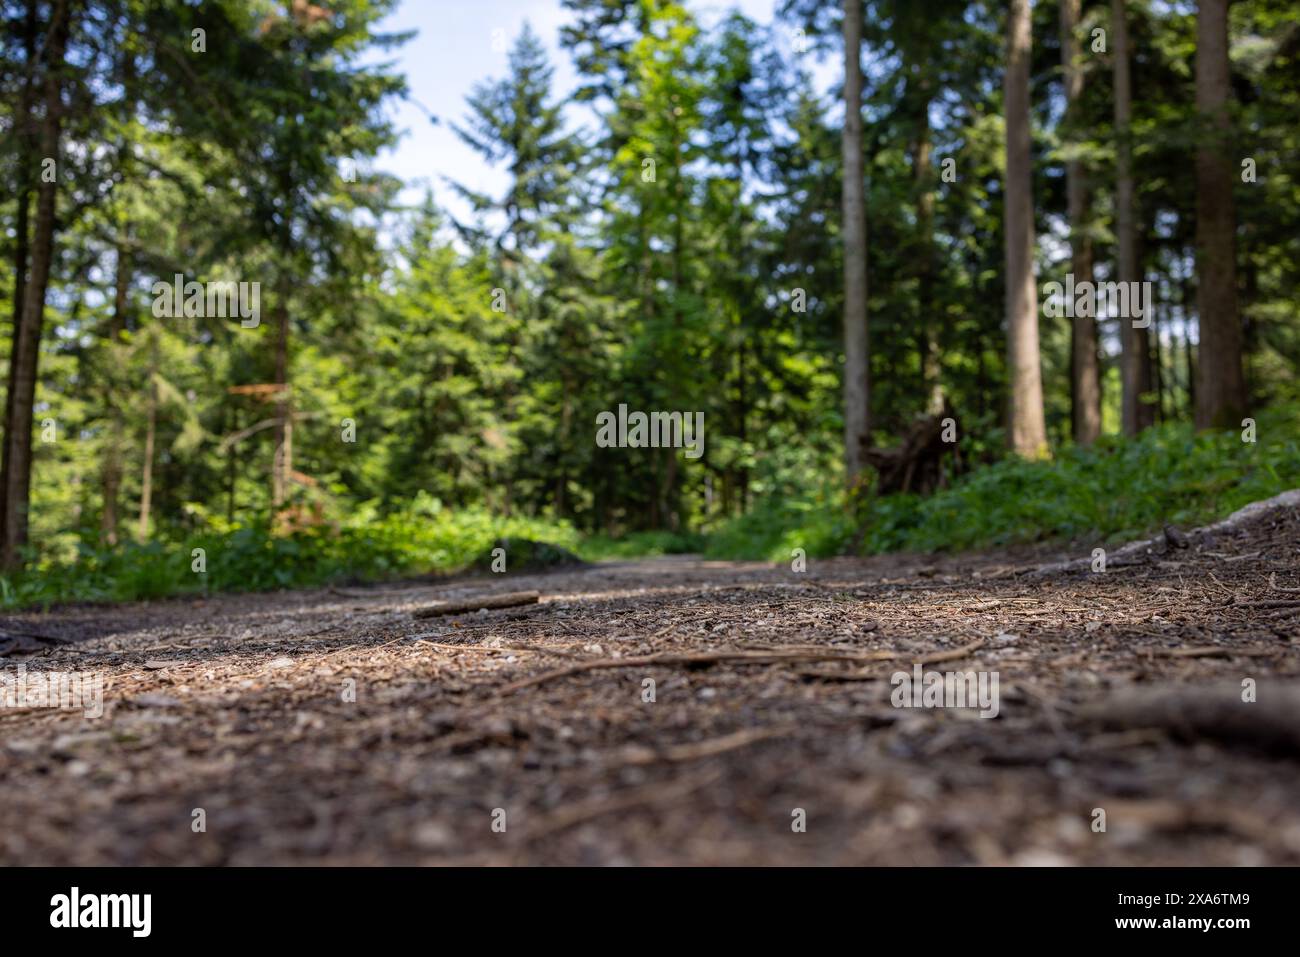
421 538
641 545
1119 489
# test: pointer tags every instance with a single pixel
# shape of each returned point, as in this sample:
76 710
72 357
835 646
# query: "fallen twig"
1210 651
27 641
509 600
708 749
714 657
934 659
1272 583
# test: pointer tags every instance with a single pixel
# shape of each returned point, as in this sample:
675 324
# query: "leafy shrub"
367 547
641 544
1118 489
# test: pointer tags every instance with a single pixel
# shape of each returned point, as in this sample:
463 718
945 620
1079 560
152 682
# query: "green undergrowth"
1117 490
419 539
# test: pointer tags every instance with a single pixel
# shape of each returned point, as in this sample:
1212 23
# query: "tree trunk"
1085 370
923 177
1028 430
1135 369
282 464
26 150
856 361
111 470
738 298
742 422
1187 300
230 419
16 458
150 433
1157 366
111 473
1220 386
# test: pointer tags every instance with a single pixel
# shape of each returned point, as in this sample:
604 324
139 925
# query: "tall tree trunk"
742 420
1157 366
742 333
1028 429
26 161
1085 370
923 177
1135 369
229 419
1187 300
111 471
566 419
856 361
16 458
282 464
150 436
1220 385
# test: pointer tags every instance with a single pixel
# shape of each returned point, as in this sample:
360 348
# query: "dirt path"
240 706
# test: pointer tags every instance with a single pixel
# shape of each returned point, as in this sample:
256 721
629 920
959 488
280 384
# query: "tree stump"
916 464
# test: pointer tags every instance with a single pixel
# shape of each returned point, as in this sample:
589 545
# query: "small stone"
152 699
432 835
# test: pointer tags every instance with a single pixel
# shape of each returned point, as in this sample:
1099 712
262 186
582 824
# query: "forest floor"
1119 691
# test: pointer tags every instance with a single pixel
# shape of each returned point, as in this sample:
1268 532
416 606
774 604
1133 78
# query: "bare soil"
1119 691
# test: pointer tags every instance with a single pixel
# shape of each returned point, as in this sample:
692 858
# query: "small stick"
509 600
1209 651
710 748
955 655
713 657
480 648
1272 581
342 593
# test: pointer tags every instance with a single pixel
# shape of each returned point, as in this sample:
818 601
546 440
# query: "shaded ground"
238 705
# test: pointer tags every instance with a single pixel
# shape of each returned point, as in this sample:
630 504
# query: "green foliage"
641 545
421 538
1118 490
776 526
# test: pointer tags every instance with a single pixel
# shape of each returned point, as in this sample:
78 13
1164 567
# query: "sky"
452 51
